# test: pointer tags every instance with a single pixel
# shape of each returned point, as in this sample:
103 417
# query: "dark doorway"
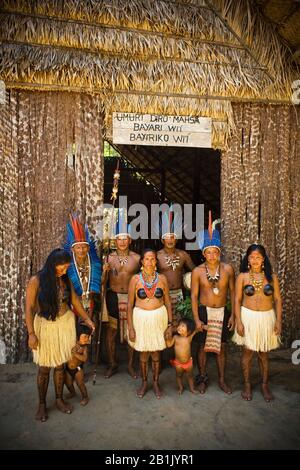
152 175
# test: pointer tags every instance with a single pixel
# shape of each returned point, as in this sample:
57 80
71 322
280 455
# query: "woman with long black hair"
258 313
51 325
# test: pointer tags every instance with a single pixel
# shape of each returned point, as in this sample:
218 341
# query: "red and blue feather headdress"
77 233
209 238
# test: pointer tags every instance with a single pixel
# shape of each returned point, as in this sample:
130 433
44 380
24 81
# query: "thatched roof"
189 57
285 18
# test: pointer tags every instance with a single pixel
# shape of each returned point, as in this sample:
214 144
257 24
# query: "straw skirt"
149 326
259 330
55 339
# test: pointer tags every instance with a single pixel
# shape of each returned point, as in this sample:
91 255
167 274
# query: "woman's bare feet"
266 392
132 372
156 390
143 389
63 406
180 390
111 370
201 381
84 401
223 386
194 390
246 393
41 414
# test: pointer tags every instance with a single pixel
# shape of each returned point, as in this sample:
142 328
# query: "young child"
74 367
183 361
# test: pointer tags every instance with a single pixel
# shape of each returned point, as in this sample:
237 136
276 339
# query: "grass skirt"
56 339
149 326
259 330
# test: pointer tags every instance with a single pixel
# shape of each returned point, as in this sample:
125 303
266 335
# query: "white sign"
154 129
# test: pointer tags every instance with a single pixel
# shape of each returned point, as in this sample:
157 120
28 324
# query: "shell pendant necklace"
172 260
213 279
123 260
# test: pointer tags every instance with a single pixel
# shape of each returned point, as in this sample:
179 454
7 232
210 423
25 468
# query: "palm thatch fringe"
231 21
150 15
88 38
245 20
39 64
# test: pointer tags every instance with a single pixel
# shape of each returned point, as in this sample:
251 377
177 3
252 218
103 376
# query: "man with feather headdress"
121 265
211 282
85 268
173 262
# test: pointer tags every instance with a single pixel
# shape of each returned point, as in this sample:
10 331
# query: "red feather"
209 225
171 213
78 230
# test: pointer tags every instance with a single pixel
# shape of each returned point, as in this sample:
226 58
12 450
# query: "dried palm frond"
243 54
147 56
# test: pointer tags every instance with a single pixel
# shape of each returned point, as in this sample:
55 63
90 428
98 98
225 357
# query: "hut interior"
177 175
66 66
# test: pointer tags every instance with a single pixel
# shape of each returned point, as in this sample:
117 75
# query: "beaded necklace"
149 287
123 260
257 283
84 275
213 279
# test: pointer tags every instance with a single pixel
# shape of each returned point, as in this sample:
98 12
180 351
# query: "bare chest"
125 265
214 278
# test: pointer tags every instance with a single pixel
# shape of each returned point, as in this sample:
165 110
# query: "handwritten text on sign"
153 129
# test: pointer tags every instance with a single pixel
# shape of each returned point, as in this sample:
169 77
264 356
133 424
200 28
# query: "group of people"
142 295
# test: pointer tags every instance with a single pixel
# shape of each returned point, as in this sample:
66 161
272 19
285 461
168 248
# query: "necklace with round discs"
213 279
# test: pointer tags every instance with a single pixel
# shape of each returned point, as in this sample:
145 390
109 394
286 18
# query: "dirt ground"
116 419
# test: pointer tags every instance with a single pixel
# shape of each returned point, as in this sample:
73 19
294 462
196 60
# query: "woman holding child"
51 325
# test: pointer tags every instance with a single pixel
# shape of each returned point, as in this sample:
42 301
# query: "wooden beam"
162 185
141 170
135 157
241 41
105 91
145 32
120 55
181 193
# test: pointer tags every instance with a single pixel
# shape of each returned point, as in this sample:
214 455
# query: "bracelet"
169 323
